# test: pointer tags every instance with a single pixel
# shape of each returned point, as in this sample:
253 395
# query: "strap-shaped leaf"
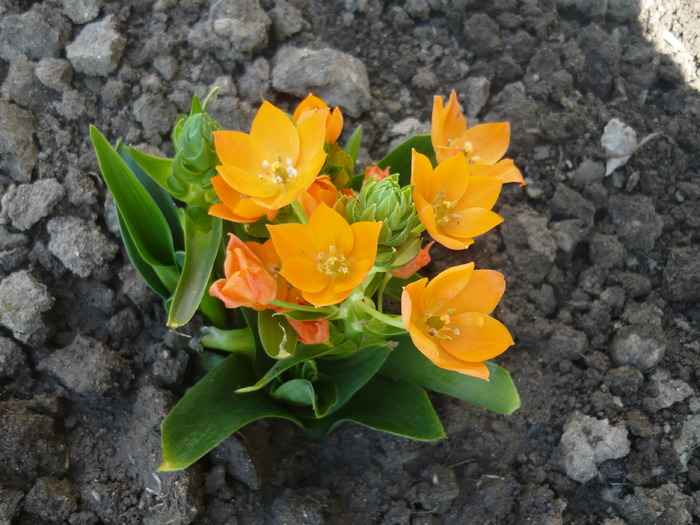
498 393
160 196
352 148
388 405
278 337
202 238
351 372
211 412
400 158
145 270
320 395
148 228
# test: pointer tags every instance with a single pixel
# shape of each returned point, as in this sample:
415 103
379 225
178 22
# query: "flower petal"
489 142
312 133
326 297
274 135
480 337
304 274
327 228
471 222
247 182
446 286
236 149
482 192
365 238
481 294
476 369
410 300
288 240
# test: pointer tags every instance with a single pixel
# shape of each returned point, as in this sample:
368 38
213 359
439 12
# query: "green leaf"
302 353
400 158
278 337
148 228
394 287
498 393
145 270
160 171
161 197
352 371
352 148
211 412
391 406
202 238
296 391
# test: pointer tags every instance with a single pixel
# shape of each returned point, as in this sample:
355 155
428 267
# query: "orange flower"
328 257
275 162
454 202
408 269
334 119
322 190
247 282
448 319
234 206
271 262
481 144
376 173
312 332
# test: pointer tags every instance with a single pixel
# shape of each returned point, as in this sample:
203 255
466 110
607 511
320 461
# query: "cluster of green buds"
387 201
195 155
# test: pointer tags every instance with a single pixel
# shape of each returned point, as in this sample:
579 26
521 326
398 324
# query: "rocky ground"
602 268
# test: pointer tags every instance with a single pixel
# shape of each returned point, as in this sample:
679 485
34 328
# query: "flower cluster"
290 255
326 244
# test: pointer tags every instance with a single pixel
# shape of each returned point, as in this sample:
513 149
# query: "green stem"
391 320
299 212
239 341
302 307
380 291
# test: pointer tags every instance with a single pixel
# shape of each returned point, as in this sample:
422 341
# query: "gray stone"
567 203
641 346
336 77
87 367
287 20
12 359
34 34
405 129
587 441
51 499
82 248
590 8
528 242
54 73
588 172
298 506
567 343
81 11
476 92
623 10
72 106
22 301
10 500
669 391
624 380
605 251
636 221
254 83
688 439
618 138
154 112
666 505
27 204
235 457
681 277
80 188
22 85
97 49
482 35
567 234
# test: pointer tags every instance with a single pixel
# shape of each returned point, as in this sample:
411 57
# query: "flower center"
278 173
331 263
438 324
442 208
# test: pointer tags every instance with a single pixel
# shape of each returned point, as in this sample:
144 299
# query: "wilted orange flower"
334 119
420 260
247 282
448 319
376 173
276 161
271 262
481 144
322 190
453 202
328 257
312 332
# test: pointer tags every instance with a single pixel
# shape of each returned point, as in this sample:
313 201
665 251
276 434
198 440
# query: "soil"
603 279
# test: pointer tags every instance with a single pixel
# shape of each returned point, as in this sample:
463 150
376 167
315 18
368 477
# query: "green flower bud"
196 156
388 202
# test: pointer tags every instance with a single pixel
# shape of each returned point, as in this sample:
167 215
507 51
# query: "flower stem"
299 212
391 320
301 307
240 341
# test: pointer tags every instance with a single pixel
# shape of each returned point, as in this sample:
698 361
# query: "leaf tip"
166 466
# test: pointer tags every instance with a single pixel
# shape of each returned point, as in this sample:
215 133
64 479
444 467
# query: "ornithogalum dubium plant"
291 253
